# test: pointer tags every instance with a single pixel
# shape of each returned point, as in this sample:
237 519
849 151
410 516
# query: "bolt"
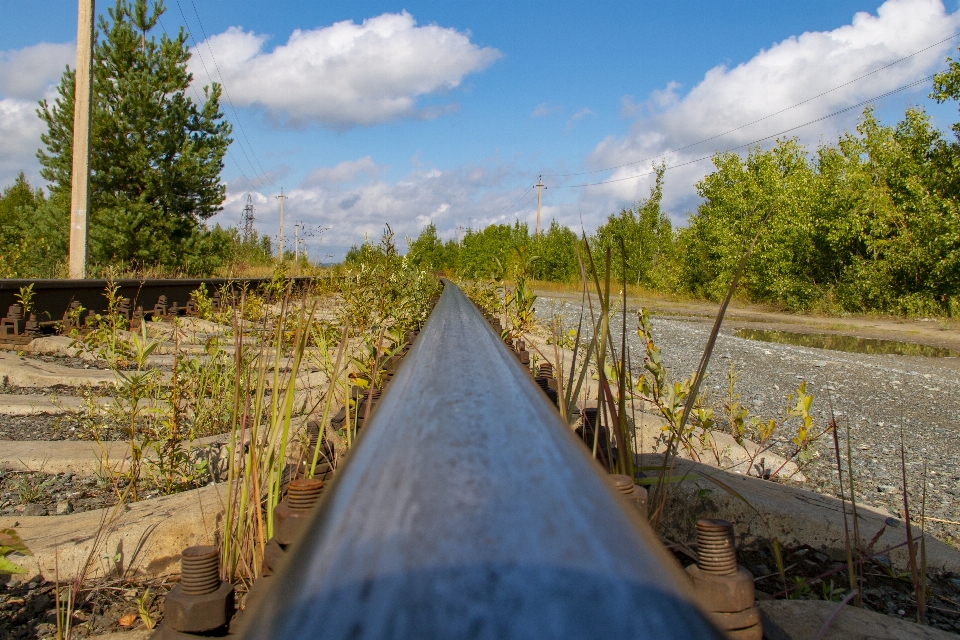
303 494
199 570
718 555
724 588
637 496
290 515
546 369
590 418
201 602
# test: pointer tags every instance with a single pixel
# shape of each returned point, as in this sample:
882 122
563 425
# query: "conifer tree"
155 155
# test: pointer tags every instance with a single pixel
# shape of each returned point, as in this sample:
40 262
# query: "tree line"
155 162
869 223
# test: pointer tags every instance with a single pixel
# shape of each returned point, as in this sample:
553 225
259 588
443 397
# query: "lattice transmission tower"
248 219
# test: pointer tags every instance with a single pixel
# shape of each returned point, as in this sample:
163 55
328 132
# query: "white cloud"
352 207
787 73
26 76
543 109
345 74
20 130
28 73
346 171
577 116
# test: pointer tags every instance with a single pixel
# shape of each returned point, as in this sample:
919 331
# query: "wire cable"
225 90
210 76
199 100
766 117
759 140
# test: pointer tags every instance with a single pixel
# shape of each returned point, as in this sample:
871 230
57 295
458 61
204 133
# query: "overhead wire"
758 140
226 92
196 46
229 154
766 117
509 206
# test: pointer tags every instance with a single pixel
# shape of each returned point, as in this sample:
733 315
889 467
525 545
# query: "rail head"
468 509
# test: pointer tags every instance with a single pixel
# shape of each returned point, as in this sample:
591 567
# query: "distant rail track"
53 299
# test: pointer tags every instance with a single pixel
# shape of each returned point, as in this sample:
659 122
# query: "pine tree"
155 155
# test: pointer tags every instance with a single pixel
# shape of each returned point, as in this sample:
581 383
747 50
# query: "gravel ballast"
872 395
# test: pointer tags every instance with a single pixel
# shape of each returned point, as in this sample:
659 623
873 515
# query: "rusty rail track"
53 299
468 509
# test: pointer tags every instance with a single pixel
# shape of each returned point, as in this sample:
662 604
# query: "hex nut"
193 614
737 620
272 557
723 594
750 633
288 523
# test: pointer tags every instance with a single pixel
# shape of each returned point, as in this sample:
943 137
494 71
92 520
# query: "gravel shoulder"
875 397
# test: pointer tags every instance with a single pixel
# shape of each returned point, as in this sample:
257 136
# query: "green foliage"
11 543
488 253
33 236
556 252
645 233
155 158
868 224
428 252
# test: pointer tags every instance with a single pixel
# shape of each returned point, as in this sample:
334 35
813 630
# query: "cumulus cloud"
28 73
26 76
786 74
345 74
20 130
354 201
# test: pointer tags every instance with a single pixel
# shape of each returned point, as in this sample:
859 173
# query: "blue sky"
373 112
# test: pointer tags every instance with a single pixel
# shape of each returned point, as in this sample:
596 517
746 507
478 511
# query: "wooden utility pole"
79 193
540 189
281 197
296 243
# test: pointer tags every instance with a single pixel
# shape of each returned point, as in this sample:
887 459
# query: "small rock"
34 509
822 557
761 570
64 508
820 363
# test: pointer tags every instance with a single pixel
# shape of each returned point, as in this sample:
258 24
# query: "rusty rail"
468 509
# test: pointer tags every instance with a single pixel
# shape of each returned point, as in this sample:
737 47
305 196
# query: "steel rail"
53 297
468 509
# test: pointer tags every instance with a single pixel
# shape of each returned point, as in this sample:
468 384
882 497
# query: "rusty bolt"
290 515
637 496
272 556
724 588
201 602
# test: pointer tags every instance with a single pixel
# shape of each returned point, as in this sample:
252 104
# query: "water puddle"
849 344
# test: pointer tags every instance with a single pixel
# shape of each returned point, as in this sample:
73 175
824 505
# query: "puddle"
850 344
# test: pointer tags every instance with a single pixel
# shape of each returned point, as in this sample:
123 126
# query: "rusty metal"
725 589
468 509
201 603
715 547
635 495
290 515
52 298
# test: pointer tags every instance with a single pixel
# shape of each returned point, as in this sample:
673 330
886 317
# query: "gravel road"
876 396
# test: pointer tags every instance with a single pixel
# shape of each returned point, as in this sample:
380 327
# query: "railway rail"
469 509
54 299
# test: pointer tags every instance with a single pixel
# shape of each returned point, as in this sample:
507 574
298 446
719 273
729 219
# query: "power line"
229 154
498 213
759 140
766 117
196 47
224 85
